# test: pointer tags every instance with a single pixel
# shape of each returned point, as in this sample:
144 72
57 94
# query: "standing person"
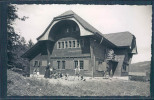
34 70
107 68
47 72
104 65
51 71
77 71
38 70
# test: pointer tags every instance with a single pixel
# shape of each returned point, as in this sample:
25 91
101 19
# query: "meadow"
18 85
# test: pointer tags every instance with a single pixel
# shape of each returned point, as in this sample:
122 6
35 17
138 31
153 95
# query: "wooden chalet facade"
70 41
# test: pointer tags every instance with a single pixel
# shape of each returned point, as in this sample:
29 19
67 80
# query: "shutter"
86 65
71 64
96 65
33 62
44 63
55 64
67 63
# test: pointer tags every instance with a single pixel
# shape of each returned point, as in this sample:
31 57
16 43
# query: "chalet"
69 41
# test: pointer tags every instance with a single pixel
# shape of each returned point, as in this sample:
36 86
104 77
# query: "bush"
138 78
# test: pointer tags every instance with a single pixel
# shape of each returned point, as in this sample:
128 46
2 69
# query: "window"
63 64
99 62
58 62
70 45
59 46
66 44
81 64
78 44
62 44
75 63
36 63
74 44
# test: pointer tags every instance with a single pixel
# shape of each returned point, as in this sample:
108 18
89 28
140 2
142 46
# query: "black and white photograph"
79 50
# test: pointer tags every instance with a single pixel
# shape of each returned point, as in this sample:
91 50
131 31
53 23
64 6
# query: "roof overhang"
35 50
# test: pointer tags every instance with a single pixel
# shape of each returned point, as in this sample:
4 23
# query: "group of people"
51 73
105 68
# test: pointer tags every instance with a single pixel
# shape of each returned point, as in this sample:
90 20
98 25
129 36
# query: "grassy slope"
21 86
140 67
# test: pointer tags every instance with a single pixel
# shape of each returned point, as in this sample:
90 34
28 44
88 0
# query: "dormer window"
62 44
66 45
74 44
70 45
59 46
78 44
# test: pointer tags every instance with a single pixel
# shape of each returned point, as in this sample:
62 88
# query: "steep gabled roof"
85 24
120 39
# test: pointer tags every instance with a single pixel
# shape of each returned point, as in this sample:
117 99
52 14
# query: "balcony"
112 57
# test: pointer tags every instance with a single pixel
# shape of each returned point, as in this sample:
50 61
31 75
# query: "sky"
107 19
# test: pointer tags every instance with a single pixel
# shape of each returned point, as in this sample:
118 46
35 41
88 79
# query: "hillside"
140 67
18 85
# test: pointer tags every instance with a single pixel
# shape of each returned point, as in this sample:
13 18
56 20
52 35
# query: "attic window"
73 43
62 44
70 44
78 44
66 44
59 45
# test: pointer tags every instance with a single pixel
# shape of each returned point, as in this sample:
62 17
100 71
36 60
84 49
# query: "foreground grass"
21 86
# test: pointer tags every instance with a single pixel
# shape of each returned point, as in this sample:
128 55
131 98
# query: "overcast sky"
105 18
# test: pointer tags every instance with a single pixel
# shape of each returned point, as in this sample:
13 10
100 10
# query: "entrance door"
114 66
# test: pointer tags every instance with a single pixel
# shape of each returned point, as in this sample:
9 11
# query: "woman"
77 71
47 72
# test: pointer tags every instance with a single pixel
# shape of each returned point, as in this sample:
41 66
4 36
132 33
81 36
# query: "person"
47 72
104 64
107 69
51 71
77 71
37 71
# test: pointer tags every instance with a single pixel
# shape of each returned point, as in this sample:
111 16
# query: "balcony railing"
112 58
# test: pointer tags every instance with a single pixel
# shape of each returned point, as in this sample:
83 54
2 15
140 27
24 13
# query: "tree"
12 37
15 43
19 49
30 43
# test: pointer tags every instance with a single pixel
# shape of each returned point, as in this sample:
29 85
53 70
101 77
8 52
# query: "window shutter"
55 64
33 62
86 65
97 63
71 66
44 63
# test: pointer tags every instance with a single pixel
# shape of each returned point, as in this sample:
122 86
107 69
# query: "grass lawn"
31 86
